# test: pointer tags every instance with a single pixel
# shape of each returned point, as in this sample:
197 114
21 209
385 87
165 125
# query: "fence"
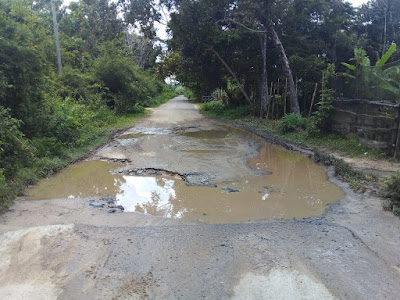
373 123
205 99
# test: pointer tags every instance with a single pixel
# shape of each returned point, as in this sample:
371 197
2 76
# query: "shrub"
214 106
325 159
74 84
64 123
3 185
47 146
392 188
15 150
168 92
321 119
122 83
291 123
216 109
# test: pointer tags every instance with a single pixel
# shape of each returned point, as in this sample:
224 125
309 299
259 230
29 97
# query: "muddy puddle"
297 188
233 202
208 134
80 180
204 151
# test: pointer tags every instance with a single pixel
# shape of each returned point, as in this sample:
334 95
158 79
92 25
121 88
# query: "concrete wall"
373 123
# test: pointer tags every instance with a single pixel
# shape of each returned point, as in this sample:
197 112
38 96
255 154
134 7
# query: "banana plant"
389 80
373 76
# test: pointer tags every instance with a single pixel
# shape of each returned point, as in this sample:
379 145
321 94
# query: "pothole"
190 197
278 184
132 136
207 134
150 131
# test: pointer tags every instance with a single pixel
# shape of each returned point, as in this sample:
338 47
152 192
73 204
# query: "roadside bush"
347 174
291 122
325 159
321 118
392 192
15 150
122 83
188 94
3 186
74 84
63 124
47 146
214 106
168 92
215 109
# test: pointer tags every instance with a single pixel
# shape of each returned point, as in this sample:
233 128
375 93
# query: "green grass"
391 191
330 142
215 109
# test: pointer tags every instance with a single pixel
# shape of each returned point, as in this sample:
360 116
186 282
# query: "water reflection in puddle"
297 187
148 195
252 200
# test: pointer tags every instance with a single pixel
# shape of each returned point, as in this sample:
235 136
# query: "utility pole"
56 37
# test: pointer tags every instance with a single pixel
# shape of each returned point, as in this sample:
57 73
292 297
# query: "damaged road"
86 241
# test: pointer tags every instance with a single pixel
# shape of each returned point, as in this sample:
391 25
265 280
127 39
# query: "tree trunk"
312 100
56 37
285 103
294 102
246 96
264 88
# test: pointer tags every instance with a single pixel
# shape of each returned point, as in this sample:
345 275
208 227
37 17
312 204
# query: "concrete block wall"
373 123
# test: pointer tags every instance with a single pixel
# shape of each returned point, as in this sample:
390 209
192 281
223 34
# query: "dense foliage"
255 50
44 116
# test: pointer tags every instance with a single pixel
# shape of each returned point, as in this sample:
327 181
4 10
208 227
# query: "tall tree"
56 36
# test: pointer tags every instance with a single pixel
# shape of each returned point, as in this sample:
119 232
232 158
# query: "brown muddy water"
297 188
209 134
80 180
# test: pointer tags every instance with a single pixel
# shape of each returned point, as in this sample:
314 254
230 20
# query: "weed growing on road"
392 192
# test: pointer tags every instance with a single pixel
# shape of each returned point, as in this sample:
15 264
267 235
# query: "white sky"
357 2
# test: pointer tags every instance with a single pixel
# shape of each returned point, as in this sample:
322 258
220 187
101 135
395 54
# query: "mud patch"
208 134
132 136
150 131
281 284
204 151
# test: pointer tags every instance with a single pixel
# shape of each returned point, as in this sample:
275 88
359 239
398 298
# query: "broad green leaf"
386 56
346 75
351 67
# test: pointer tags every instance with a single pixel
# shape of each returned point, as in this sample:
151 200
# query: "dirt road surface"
67 249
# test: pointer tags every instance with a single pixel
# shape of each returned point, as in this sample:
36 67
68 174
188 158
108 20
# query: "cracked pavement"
66 249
